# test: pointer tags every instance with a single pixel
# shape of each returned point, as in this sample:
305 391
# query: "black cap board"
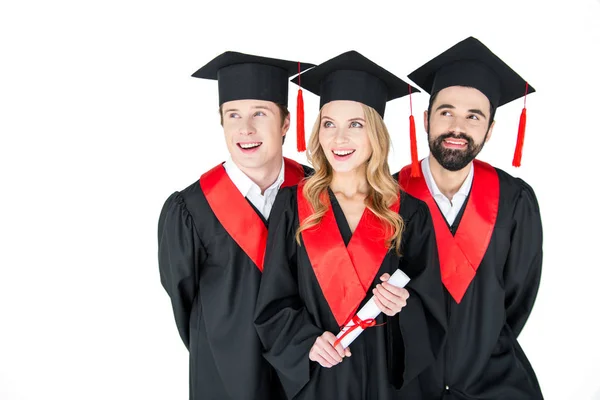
352 76
244 76
470 63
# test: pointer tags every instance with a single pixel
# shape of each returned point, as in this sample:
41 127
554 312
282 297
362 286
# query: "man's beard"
454 159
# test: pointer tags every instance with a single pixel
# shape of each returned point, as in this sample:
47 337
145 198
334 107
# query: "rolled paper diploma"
365 317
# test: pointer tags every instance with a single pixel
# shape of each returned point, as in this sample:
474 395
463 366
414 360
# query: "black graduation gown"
292 311
482 358
213 285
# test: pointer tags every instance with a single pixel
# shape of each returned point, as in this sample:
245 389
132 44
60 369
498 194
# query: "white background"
100 121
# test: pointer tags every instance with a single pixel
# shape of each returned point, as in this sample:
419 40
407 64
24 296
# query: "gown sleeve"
422 323
180 255
283 323
523 268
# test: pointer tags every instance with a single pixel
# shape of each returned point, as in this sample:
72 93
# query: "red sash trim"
294 172
344 274
235 213
461 254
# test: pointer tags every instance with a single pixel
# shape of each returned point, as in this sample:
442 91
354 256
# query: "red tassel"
300 141
414 157
520 139
415 171
521 135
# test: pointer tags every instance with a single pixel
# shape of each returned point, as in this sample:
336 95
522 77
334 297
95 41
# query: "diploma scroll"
367 314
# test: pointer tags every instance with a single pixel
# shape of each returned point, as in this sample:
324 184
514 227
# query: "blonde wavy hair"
383 188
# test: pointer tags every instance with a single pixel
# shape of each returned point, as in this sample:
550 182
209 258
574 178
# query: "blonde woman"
334 241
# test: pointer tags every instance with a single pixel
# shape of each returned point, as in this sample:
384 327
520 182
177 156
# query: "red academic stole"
344 273
235 213
461 254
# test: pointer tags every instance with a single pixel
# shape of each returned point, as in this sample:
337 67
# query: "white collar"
433 187
244 183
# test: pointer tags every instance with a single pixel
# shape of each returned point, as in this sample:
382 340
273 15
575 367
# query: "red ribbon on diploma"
367 323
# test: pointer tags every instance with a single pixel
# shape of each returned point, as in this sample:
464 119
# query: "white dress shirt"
449 207
251 190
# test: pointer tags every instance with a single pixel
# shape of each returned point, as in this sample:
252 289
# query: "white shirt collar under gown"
449 207
250 190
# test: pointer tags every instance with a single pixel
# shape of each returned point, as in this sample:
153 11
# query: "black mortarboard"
470 63
351 76
244 76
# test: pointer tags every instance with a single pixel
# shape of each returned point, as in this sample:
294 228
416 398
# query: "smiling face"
254 132
343 135
458 126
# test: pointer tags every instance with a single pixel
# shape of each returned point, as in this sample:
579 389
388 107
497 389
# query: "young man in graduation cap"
212 234
488 229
